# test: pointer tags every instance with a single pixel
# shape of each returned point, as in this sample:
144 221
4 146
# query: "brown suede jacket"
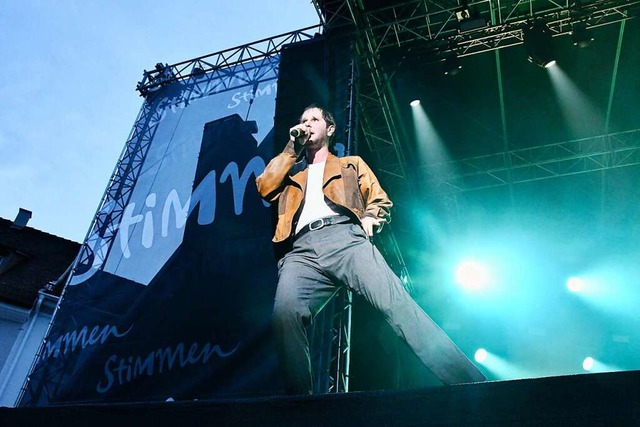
347 182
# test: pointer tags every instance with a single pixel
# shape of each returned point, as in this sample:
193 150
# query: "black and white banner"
175 297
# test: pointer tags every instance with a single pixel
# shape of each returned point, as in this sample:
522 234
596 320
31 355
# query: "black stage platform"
611 399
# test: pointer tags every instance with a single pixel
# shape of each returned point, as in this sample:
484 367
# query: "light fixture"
472 275
538 43
197 71
415 103
452 65
579 34
575 284
480 355
468 21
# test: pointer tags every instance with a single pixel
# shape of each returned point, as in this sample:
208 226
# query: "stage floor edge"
603 399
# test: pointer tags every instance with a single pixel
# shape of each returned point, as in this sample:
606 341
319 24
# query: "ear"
330 130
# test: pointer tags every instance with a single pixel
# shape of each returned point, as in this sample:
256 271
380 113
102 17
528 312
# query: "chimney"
22 219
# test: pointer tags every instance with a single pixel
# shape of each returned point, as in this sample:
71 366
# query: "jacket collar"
299 171
332 168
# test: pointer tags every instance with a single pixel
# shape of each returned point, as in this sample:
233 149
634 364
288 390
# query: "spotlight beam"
500 367
614 77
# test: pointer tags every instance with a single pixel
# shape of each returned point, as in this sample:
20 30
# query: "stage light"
481 355
575 284
499 367
587 363
415 103
590 364
538 43
472 275
452 65
468 21
580 36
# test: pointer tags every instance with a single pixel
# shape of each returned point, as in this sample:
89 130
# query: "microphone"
296 133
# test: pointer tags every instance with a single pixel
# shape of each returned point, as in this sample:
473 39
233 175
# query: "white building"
33 267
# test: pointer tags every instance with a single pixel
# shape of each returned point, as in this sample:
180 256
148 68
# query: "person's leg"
361 266
302 291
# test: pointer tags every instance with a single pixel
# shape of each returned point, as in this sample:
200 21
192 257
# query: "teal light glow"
472 275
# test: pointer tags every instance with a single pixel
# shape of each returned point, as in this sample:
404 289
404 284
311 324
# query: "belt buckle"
320 224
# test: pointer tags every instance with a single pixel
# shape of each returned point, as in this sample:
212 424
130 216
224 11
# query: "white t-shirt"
314 206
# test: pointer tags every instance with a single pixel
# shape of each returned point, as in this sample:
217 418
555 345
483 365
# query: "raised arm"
270 183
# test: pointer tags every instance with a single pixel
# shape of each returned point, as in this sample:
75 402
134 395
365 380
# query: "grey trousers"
342 254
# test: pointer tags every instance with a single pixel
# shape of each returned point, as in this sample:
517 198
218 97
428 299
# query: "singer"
328 208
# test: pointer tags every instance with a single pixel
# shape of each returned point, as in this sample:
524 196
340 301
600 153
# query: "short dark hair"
326 114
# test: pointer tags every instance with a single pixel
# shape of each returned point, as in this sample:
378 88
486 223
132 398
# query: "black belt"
323 222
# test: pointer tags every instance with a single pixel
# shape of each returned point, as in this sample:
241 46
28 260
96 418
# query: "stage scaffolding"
599 153
440 25
435 30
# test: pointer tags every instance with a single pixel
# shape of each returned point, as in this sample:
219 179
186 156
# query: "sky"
67 85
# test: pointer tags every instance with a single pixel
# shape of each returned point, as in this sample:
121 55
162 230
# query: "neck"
317 154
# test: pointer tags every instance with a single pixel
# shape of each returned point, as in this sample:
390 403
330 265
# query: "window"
9 257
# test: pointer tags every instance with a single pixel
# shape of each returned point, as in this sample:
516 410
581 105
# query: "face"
319 130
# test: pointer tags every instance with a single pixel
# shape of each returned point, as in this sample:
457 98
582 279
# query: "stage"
608 399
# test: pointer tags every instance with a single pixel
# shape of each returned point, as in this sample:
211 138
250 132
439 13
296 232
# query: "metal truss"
341 356
435 26
375 103
603 152
237 58
507 20
378 126
333 13
103 230
469 27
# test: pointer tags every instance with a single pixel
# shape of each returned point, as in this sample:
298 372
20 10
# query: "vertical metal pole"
345 299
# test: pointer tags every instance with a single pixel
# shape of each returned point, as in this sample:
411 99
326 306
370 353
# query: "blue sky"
68 80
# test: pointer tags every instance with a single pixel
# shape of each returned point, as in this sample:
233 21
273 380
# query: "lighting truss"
433 25
598 153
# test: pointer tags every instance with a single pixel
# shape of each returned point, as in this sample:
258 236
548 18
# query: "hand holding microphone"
299 133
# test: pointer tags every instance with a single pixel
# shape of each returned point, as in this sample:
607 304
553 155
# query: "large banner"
173 293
